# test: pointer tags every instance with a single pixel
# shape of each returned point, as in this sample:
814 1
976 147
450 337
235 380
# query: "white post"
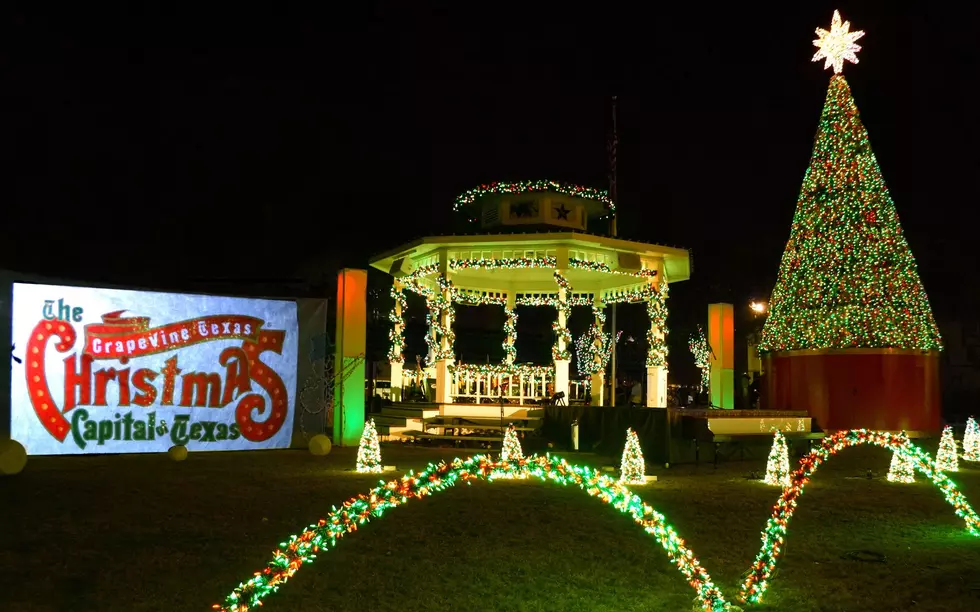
561 365
598 382
657 372
396 361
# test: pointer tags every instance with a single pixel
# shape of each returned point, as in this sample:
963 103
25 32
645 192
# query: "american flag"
611 147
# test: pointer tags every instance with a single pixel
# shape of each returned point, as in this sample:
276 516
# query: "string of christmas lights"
632 467
971 441
773 537
657 341
563 338
777 467
577 191
503 370
369 450
512 263
901 469
440 303
698 345
593 349
323 535
946 457
396 352
421 272
551 300
847 278
357 511
598 266
510 335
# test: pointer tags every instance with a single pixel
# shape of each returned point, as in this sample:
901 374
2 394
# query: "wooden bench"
791 436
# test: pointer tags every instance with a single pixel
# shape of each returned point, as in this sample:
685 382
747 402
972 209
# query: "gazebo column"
598 382
561 350
445 353
510 329
396 356
657 345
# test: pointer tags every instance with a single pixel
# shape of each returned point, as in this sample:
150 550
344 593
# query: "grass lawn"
143 533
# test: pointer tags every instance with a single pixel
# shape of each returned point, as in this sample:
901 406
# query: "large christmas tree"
847 278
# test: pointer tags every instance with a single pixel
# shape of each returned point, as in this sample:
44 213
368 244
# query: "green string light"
359 510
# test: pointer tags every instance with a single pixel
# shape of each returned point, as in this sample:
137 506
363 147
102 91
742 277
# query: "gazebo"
535 252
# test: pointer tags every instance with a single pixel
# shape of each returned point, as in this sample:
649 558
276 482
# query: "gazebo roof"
487 246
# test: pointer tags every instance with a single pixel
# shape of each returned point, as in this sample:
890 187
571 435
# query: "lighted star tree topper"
777 468
847 278
633 468
946 459
901 469
837 45
369 451
971 441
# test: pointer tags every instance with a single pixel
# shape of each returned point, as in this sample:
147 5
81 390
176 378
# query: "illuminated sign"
114 371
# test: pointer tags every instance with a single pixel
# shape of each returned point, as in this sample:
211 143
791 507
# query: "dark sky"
172 144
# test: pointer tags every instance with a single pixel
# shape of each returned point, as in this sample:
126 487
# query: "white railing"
577 390
487 384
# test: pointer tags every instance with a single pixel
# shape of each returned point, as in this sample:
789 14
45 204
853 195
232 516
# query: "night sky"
159 145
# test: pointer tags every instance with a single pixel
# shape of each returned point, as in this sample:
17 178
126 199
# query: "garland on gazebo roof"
577 191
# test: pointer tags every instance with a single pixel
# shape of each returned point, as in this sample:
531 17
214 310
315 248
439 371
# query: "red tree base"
886 389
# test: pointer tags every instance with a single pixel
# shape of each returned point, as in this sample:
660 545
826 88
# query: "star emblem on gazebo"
561 212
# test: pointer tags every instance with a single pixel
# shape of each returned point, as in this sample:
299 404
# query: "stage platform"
667 435
407 420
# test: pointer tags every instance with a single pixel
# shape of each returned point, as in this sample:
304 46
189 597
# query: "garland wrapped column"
599 359
560 352
510 330
657 344
443 338
396 352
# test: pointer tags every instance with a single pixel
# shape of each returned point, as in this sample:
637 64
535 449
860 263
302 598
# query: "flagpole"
613 145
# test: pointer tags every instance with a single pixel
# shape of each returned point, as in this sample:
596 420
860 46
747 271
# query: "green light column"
348 393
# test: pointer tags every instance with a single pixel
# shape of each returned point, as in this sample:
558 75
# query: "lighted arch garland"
359 510
761 571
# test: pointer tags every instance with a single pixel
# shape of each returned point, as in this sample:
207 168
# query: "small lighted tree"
901 469
633 469
946 459
511 449
369 451
698 345
971 441
777 469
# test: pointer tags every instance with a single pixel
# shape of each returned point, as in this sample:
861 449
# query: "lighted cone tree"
946 459
369 451
777 468
971 441
511 449
902 468
633 468
847 278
